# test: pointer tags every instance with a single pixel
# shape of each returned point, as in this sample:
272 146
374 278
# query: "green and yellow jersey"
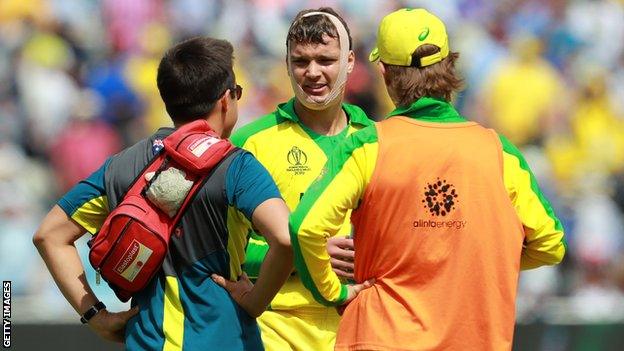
294 155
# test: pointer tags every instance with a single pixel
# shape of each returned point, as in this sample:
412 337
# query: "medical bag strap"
199 183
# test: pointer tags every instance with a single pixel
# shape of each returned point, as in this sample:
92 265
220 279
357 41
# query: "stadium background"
77 83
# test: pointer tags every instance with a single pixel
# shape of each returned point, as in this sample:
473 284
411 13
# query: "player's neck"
330 121
214 121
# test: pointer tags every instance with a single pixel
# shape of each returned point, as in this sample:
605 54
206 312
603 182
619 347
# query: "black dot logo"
440 197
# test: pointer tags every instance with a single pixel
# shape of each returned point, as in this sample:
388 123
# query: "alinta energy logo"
440 198
298 160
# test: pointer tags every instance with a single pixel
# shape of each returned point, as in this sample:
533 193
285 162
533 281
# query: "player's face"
315 67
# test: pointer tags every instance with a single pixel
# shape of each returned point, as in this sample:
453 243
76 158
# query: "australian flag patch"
157 146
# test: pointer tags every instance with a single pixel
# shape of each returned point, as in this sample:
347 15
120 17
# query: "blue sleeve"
85 191
248 184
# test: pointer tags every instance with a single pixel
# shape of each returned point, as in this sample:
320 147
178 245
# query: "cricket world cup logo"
297 157
298 161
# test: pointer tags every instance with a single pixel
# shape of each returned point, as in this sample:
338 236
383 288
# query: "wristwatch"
92 311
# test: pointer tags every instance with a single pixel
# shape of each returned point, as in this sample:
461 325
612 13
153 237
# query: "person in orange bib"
445 212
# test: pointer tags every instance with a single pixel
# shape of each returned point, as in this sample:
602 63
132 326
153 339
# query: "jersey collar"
430 110
356 115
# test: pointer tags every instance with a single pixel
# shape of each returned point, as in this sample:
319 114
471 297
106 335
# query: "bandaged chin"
339 85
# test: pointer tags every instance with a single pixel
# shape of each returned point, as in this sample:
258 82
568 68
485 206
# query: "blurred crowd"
77 84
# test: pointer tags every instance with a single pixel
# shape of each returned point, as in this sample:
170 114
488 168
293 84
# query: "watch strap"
92 312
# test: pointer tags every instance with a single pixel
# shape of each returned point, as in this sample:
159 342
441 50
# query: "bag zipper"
123 231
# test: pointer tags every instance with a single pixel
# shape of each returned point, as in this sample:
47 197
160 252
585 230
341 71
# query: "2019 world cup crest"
298 160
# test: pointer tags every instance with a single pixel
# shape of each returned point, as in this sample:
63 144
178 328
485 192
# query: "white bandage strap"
341 80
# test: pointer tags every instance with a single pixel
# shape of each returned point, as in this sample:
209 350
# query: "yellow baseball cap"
403 31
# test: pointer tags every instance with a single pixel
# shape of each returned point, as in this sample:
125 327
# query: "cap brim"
374 55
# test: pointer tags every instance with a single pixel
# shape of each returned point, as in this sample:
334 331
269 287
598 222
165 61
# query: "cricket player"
446 212
293 143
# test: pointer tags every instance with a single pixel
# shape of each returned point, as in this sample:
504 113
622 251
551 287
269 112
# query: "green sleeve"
257 248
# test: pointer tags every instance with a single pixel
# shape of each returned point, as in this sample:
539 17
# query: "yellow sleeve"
92 214
86 203
323 209
544 242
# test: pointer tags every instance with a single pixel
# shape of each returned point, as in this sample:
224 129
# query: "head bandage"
340 82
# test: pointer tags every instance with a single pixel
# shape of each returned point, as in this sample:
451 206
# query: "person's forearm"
274 271
271 219
67 271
